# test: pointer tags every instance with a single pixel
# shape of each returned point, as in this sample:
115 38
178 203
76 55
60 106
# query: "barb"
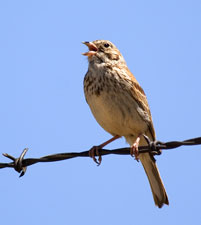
154 147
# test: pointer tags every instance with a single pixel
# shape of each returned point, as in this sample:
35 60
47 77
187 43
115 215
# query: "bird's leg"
97 148
134 149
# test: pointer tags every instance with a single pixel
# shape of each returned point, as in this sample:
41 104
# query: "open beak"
92 48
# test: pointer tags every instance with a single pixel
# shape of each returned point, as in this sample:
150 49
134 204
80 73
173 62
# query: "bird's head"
102 51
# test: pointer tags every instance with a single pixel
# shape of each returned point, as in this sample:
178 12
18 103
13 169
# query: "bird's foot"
134 149
96 149
92 151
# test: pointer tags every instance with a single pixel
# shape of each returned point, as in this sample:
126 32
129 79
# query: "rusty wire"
20 164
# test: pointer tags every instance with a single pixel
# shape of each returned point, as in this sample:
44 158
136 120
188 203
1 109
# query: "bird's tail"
157 187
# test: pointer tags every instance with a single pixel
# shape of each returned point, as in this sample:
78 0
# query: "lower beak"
92 48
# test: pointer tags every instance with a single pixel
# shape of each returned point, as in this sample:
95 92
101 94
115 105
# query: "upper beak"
92 48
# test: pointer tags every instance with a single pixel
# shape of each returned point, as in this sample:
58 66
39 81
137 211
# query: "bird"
120 106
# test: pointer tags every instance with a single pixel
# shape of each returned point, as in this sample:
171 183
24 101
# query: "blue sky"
43 108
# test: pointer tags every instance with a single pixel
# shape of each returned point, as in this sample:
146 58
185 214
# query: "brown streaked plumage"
120 106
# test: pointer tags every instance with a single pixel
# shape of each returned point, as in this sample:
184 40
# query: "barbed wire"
20 164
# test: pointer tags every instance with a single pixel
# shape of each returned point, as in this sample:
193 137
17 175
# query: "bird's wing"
138 93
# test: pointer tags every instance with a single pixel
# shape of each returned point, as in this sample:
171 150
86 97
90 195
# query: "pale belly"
117 113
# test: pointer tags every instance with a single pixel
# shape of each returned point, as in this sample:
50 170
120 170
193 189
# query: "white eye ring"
106 45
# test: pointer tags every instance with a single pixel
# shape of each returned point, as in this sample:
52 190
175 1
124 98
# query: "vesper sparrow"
120 106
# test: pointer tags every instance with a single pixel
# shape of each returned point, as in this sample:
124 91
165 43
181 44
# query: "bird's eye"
106 45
